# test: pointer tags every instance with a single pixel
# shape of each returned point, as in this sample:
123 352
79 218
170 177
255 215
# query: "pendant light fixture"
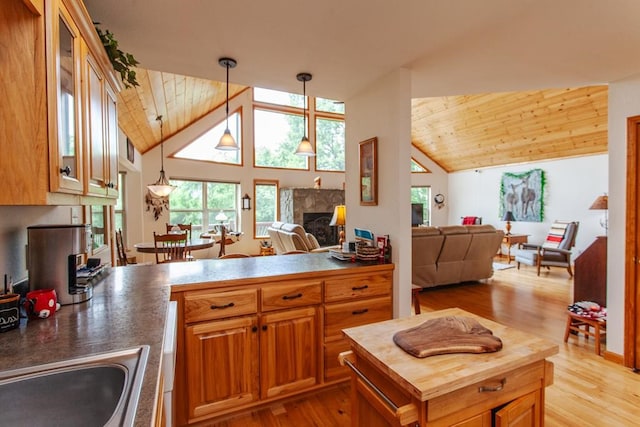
162 187
227 143
305 148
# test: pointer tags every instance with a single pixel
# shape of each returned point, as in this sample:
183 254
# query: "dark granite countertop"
128 309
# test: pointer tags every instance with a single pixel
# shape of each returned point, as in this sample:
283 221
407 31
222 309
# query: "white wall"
571 187
624 101
383 110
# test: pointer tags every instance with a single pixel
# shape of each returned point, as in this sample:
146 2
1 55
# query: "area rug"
501 266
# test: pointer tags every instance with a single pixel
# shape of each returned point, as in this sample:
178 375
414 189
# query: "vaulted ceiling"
462 48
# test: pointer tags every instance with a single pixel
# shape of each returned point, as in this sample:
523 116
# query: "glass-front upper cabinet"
63 76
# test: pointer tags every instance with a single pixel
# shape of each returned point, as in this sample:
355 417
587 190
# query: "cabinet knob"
264 327
66 170
254 329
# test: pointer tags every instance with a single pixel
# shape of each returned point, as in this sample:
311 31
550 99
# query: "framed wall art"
368 172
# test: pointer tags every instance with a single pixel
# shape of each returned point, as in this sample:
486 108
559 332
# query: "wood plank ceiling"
475 131
179 99
456 132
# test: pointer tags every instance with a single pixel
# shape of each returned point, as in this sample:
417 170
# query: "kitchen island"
392 387
129 307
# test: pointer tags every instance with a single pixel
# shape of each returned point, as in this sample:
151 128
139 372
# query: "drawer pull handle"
499 387
214 307
363 311
359 288
286 297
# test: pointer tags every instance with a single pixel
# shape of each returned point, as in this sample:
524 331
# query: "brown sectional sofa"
453 254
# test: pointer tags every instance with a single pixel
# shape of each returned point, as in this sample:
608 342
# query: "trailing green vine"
121 61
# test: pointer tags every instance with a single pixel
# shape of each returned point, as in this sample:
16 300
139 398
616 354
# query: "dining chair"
183 227
170 247
121 250
235 255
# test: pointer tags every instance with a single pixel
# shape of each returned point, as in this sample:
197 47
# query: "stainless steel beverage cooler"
54 253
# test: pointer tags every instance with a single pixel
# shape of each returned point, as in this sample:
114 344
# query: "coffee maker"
54 255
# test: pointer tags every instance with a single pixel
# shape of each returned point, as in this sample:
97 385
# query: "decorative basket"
366 252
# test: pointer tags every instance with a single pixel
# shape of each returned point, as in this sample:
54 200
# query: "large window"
265 206
203 147
329 144
276 137
198 203
423 195
279 127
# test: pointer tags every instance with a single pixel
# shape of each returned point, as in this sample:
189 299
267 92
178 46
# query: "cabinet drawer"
332 368
208 305
486 394
354 313
357 286
289 295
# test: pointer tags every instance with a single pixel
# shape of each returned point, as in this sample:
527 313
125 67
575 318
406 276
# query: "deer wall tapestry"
523 195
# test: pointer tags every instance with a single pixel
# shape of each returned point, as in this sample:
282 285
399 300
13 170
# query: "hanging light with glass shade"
305 148
162 187
227 143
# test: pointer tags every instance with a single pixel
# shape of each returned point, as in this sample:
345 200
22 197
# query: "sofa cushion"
425 231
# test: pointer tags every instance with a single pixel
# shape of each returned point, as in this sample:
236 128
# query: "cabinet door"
289 351
111 141
525 411
222 365
94 117
64 64
481 420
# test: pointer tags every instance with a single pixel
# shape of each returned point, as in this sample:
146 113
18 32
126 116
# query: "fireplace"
312 208
317 223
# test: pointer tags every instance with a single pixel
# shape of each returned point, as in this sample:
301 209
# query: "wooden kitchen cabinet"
46 150
222 365
352 301
101 129
393 388
289 351
260 340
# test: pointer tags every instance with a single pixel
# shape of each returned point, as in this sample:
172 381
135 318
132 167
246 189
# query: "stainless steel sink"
96 390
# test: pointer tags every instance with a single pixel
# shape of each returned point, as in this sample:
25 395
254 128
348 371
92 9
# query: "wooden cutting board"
444 335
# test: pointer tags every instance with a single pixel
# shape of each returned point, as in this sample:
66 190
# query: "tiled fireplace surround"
312 208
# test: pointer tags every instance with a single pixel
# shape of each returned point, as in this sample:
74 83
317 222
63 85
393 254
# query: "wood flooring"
587 390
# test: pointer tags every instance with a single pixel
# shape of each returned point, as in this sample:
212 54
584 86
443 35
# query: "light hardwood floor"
587 390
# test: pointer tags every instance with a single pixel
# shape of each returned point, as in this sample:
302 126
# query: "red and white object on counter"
42 303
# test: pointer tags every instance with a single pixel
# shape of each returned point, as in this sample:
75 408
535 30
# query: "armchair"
554 252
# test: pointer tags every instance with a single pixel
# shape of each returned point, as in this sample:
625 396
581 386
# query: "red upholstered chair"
555 251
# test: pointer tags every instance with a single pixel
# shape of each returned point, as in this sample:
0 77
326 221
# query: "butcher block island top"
446 389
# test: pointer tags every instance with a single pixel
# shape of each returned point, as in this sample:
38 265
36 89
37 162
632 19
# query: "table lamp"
339 219
508 216
602 203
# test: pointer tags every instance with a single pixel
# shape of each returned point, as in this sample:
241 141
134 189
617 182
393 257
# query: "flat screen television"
417 214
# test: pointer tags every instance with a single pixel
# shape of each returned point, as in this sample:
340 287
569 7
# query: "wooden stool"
415 289
583 325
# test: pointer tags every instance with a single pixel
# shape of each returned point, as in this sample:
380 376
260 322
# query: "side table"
513 239
582 325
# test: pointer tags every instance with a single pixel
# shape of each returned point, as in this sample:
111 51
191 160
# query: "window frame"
257 182
426 204
240 112
208 215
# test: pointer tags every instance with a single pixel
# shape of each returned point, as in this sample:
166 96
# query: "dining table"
191 245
